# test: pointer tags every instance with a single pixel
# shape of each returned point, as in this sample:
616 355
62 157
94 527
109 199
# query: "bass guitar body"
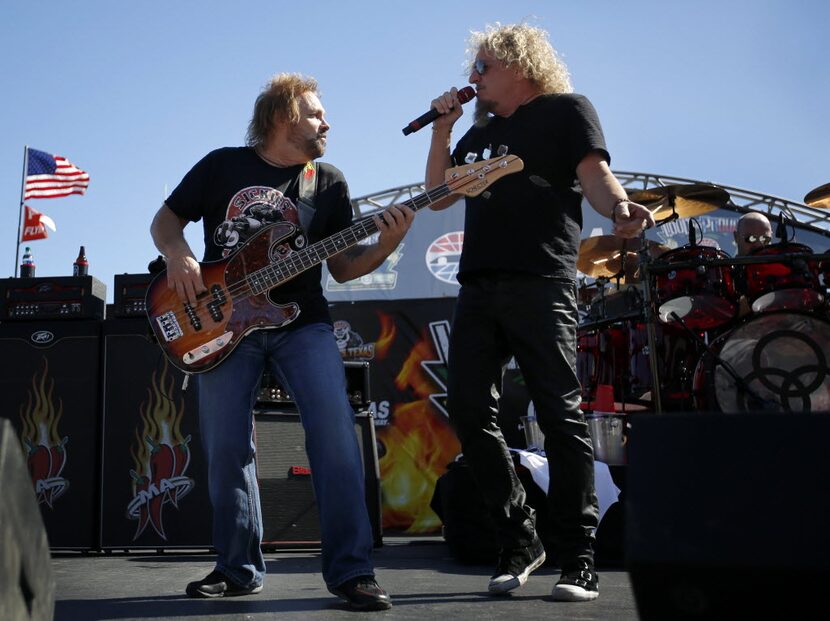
197 338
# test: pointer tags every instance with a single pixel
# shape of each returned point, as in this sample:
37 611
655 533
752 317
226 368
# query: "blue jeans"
535 320
309 365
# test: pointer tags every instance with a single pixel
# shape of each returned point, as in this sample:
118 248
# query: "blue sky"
732 92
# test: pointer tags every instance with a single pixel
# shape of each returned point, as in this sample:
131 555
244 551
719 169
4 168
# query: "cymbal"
689 200
604 256
820 197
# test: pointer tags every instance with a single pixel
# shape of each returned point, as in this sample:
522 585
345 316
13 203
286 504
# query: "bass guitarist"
236 192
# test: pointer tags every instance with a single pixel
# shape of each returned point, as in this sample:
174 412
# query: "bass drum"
781 359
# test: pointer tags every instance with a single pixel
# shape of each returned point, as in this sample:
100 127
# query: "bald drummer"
752 231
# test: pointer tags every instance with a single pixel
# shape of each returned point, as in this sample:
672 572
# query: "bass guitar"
198 337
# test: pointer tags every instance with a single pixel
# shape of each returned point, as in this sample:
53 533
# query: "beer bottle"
27 264
81 266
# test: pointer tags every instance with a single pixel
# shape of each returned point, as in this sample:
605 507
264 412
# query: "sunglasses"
479 66
764 239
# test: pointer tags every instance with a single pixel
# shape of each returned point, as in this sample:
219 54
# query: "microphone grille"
466 94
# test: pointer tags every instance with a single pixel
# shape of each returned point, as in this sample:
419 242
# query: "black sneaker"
515 566
363 593
217 584
578 583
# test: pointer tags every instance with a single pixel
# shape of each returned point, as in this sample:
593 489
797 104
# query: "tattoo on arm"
354 251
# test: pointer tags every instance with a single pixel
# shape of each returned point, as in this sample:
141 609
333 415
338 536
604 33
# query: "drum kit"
694 329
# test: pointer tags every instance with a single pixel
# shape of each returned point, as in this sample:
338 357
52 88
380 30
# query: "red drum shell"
703 296
601 358
793 284
677 355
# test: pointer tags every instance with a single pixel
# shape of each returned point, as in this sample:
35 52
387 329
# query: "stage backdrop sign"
405 343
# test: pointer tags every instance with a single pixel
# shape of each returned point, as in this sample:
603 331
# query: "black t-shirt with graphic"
530 221
235 194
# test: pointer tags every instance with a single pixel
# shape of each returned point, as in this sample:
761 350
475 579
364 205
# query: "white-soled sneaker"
578 583
515 566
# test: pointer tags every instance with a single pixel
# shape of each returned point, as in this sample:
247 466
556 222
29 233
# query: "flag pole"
20 213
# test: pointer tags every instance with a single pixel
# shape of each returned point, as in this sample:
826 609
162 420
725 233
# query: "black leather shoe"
363 593
217 584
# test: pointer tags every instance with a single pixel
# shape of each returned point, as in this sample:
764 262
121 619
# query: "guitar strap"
307 193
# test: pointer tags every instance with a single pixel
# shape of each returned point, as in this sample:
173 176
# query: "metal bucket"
609 437
534 437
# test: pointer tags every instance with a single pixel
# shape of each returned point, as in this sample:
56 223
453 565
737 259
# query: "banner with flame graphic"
405 342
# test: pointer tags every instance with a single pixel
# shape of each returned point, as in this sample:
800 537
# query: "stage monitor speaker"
154 477
727 514
289 510
50 382
27 588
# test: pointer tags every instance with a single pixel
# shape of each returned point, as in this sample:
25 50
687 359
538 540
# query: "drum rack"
647 315
658 266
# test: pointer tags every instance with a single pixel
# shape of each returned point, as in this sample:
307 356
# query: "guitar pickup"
215 307
207 349
169 326
194 318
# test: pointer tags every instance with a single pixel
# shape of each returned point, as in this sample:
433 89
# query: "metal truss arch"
741 200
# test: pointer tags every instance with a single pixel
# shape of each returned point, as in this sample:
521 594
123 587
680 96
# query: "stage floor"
424 580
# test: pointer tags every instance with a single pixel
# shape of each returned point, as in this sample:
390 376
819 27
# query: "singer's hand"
450 108
630 219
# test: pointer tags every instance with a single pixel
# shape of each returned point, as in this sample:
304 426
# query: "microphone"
464 95
692 233
781 228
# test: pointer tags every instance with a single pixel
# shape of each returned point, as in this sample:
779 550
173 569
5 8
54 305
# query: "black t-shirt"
530 221
235 193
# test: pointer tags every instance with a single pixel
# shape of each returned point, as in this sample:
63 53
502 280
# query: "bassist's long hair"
278 102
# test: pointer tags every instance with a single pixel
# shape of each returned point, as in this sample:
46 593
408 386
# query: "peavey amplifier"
52 297
129 295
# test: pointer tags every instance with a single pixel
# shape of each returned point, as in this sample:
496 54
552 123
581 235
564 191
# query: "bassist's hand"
184 276
393 224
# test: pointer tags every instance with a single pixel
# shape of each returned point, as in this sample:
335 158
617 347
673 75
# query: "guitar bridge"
207 349
169 325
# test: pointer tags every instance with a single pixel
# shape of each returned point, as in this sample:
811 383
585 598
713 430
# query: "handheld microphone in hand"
464 95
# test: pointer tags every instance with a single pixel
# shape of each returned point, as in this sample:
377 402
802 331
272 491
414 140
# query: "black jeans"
535 320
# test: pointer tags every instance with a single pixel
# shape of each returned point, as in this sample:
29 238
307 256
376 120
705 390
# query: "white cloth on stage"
607 492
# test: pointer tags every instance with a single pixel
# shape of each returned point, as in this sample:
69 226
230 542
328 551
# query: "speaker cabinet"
27 588
726 515
154 478
289 510
50 382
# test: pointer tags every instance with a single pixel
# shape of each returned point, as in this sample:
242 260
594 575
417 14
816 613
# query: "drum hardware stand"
648 316
710 372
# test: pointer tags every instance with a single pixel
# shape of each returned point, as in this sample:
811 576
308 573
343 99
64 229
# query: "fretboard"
276 273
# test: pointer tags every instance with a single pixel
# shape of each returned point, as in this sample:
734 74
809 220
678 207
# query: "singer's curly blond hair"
526 47
278 101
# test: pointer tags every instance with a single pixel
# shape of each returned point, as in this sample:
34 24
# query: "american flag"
52 176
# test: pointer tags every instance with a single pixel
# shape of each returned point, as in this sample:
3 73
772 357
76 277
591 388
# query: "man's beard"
312 147
483 110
